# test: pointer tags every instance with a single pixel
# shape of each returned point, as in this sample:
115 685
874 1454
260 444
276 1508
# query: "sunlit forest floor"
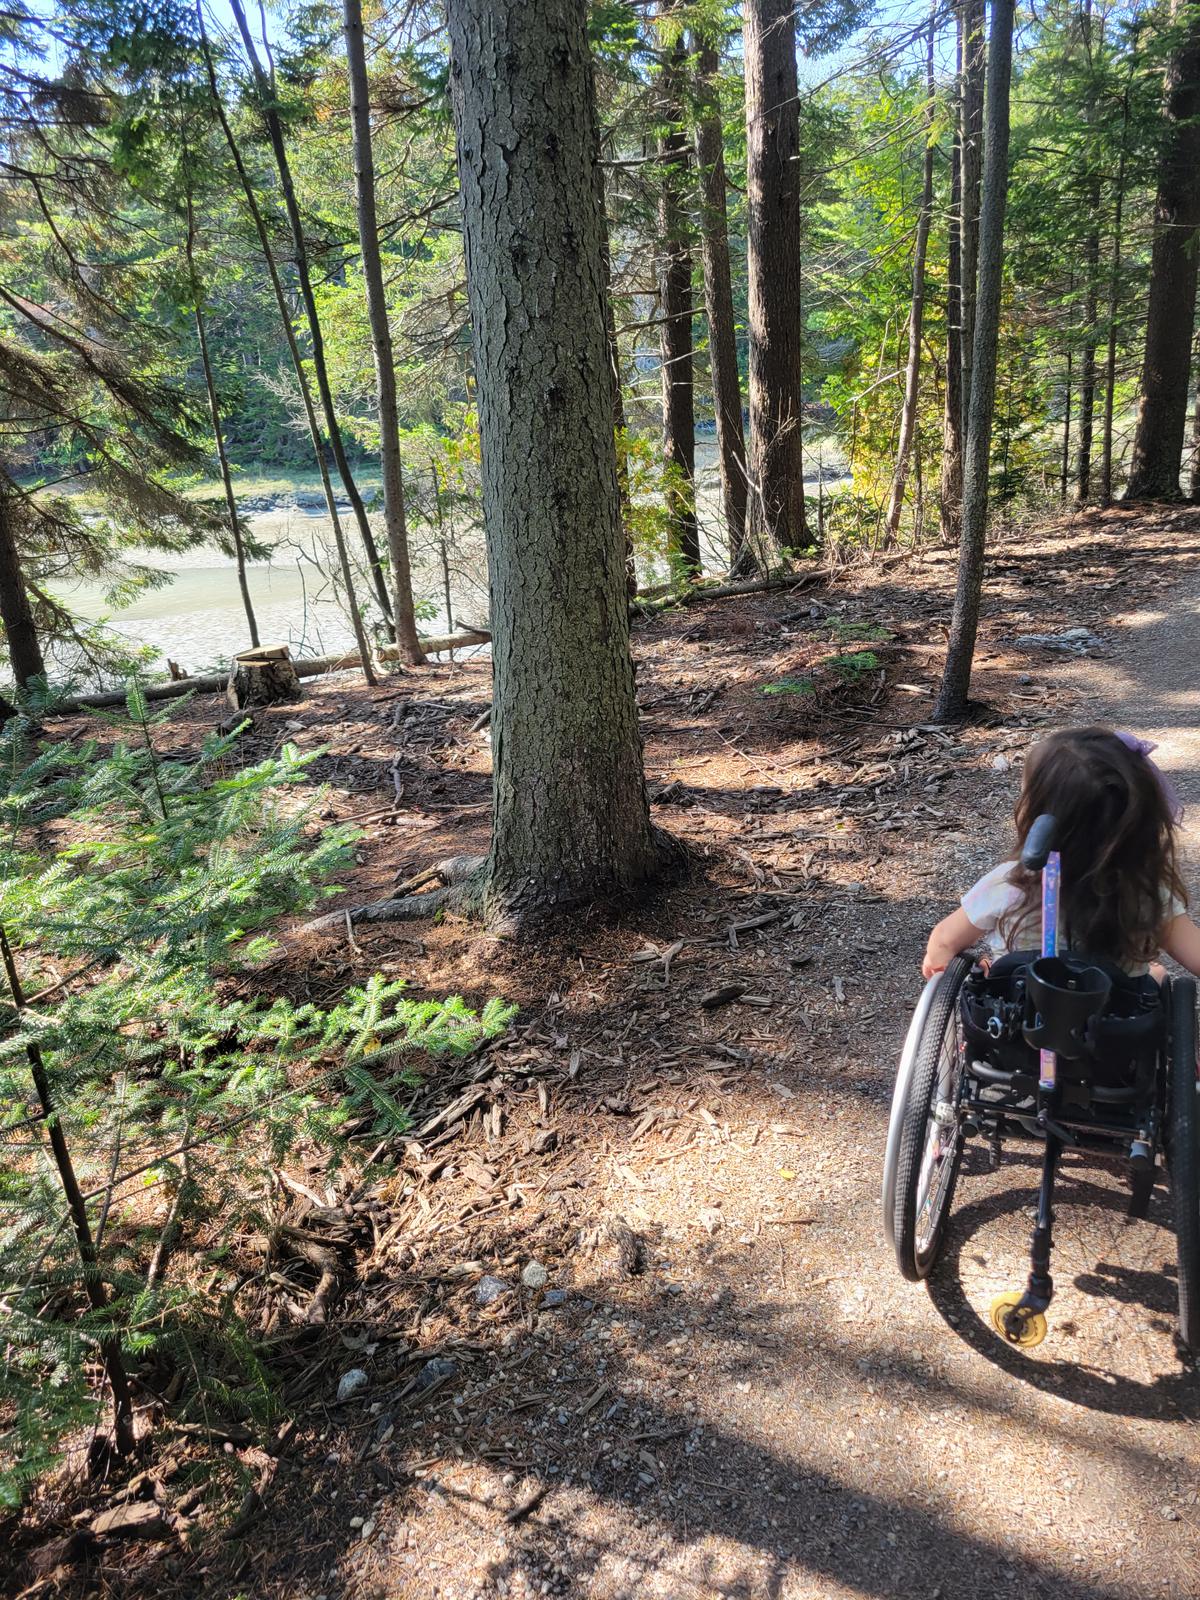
698 1371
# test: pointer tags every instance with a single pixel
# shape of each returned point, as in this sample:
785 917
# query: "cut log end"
265 676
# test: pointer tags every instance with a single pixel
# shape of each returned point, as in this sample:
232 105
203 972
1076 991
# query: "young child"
1122 896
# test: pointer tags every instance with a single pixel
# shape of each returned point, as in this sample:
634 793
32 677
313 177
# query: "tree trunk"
1194 474
916 316
974 65
718 300
570 817
285 319
675 306
394 519
1114 296
1087 365
263 677
24 648
950 491
956 680
1064 465
618 418
214 411
773 267
267 99
1162 414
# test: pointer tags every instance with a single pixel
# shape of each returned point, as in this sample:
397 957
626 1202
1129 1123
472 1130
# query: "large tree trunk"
950 490
974 66
570 817
1162 414
289 332
773 266
916 316
24 648
214 411
267 106
956 680
718 299
394 519
675 306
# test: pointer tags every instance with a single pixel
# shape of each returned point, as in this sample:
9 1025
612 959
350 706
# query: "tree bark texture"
274 127
916 316
718 300
956 680
950 489
570 817
773 267
285 319
675 308
214 412
974 68
24 647
394 518
1162 414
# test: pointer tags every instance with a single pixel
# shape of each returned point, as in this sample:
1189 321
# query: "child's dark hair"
1116 836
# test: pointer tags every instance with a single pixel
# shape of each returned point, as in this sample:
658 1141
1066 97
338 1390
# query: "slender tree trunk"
93 1285
570 818
950 491
24 647
214 411
675 305
618 417
267 109
394 517
310 415
1087 364
974 66
956 681
916 316
1064 474
1194 474
1114 298
1162 414
718 299
776 508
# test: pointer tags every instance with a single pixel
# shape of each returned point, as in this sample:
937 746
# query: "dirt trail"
731 1392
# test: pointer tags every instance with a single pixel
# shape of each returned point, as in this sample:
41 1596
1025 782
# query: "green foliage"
790 686
139 894
854 665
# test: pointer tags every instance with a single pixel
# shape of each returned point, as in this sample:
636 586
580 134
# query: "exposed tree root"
459 890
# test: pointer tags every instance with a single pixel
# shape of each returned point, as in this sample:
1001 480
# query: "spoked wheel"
930 1134
1183 1156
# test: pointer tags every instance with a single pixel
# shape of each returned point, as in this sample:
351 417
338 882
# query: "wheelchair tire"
1183 1156
920 1217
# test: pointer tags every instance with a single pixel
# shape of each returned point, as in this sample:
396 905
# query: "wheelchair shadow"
1152 1293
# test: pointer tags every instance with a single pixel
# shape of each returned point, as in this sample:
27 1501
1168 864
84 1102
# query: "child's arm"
956 932
1181 941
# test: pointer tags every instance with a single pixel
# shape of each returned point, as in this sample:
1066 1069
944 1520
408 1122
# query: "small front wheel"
931 1135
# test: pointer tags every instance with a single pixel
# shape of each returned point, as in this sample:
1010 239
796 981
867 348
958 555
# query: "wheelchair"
1062 1050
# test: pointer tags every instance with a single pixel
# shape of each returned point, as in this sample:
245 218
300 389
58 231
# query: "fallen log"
697 592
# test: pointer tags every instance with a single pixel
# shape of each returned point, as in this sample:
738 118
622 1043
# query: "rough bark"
267 109
950 489
570 817
285 320
266 676
974 67
21 637
773 268
214 412
675 307
916 315
956 680
1162 414
394 517
718 300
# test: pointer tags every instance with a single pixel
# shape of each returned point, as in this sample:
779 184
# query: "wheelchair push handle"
1039 842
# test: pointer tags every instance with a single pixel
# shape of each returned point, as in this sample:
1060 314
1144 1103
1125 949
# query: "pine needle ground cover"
151 1083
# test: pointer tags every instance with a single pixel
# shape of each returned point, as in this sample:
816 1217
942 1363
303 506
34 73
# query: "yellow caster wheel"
1025 1330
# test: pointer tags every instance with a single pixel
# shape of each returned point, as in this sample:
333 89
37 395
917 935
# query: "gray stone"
351 1383
535 1276
489 1289
553 1298
433 1370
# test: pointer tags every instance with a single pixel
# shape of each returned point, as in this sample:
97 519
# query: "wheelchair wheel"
1183 1157
930 1134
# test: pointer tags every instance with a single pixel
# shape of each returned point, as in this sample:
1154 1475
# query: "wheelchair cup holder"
1062 998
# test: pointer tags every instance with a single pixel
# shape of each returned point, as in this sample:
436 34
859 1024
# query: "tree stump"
265 676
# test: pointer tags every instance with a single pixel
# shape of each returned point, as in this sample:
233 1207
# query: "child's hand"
933 963
952 934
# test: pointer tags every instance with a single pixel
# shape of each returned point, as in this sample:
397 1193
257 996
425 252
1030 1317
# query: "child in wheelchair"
1122 896
1066 1031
